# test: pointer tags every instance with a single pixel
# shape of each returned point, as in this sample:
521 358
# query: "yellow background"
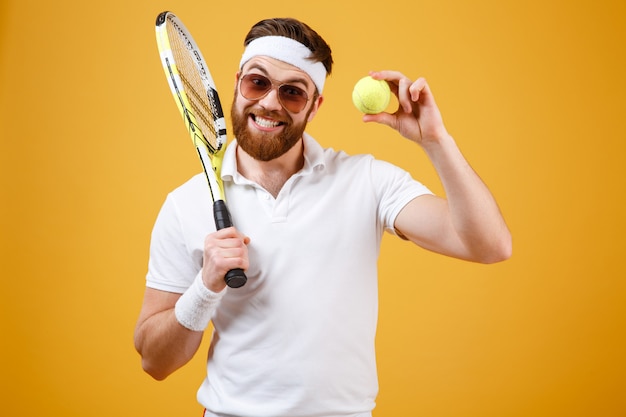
534 93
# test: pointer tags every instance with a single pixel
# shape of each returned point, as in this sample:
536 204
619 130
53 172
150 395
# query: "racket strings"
201 108
193 86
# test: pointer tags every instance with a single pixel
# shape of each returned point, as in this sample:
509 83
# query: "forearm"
164 344
474 213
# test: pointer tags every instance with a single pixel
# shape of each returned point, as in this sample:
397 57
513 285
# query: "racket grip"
234 278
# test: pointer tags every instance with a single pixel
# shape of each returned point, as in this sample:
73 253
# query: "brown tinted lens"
254 86
292 98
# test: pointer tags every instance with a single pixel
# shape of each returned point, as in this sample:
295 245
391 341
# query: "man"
298 338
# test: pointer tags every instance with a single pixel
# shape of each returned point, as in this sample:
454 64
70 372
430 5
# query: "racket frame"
210 156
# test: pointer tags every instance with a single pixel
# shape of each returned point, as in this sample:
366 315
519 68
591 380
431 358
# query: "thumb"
381 118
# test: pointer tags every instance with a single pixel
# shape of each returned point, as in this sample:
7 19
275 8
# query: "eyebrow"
293 80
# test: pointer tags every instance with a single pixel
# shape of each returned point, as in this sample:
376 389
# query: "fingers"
227 243
224 250
417 117
418 88
407 91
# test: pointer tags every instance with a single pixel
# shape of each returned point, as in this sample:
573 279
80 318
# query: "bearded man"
298 339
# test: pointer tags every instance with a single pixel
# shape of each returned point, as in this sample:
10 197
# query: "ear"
316 106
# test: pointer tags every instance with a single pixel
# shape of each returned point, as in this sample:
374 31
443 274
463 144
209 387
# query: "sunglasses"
256 86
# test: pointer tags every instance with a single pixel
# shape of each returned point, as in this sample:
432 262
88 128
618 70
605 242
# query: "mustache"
269 114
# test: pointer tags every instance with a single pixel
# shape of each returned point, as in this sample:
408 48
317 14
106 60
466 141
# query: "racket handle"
234 278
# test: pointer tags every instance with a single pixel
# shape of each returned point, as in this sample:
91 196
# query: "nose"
271 101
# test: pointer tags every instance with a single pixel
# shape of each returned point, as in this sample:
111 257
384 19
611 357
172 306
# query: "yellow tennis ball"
371 96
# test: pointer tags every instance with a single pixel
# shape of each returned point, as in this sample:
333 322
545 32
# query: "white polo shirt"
298 339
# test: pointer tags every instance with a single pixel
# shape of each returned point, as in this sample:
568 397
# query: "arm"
468 223
163 342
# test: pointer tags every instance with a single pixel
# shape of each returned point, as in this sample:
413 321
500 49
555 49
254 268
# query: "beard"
265 146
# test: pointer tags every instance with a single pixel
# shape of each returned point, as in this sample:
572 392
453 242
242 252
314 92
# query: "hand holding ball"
371 96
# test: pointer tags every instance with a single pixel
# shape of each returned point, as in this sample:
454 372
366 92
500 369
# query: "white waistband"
207 413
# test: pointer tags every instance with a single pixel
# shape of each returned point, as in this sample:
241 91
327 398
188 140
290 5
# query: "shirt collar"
313 158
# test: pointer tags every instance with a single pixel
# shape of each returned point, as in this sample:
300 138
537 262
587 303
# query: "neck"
271 175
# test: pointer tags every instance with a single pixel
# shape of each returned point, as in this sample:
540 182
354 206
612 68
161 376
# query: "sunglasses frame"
275 85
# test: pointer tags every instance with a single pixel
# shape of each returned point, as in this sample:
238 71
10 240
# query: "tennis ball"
371 96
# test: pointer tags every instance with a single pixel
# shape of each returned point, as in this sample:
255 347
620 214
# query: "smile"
266 123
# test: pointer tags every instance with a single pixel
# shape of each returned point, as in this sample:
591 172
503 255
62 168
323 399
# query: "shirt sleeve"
172 265
395 188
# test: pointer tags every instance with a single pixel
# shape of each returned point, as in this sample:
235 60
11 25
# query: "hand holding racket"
197 100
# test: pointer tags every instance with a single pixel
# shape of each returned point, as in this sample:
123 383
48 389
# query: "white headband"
287 50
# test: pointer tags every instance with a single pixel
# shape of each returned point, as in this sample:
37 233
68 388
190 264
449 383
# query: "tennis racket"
196 97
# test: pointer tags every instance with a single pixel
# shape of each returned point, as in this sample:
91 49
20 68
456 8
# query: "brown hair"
299 31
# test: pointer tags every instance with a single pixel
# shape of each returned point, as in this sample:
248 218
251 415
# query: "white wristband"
196 306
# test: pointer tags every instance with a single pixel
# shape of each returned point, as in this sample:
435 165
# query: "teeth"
265 122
